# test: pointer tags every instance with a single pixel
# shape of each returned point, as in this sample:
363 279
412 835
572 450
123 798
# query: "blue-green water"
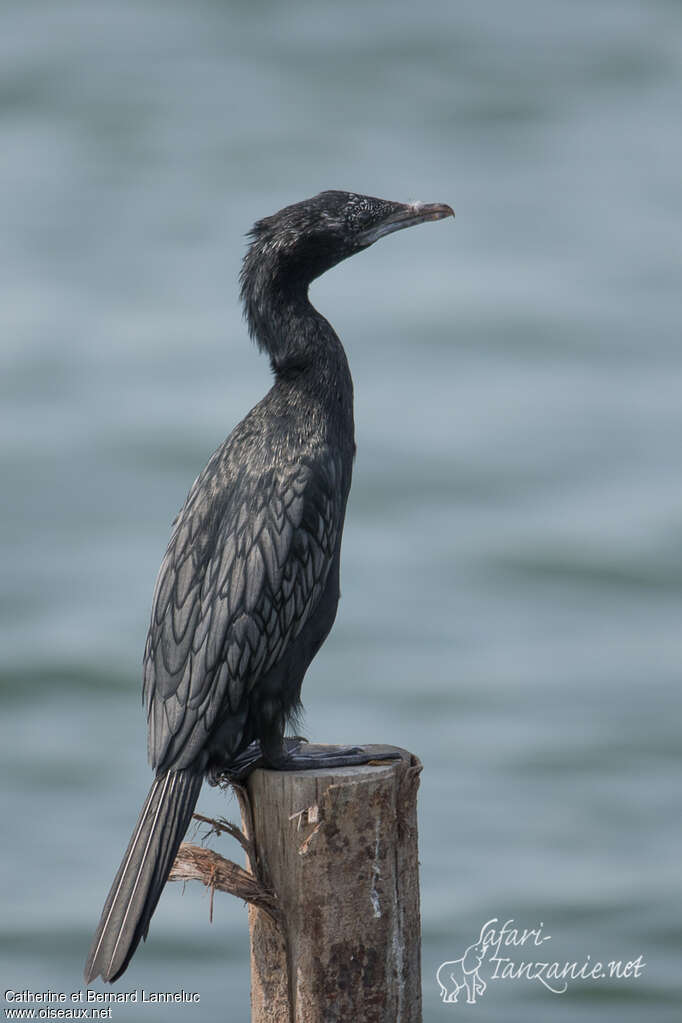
512 576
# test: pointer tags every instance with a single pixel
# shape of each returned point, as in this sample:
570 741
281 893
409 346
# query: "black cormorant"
249 585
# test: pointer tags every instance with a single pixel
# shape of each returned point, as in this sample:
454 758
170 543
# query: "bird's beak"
405 215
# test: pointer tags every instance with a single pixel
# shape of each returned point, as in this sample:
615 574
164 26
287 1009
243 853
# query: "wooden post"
339 850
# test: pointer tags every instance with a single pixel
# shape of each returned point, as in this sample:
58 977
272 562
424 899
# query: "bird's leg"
238 768
277 753
294 754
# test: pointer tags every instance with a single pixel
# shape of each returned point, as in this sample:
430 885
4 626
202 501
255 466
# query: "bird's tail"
144 871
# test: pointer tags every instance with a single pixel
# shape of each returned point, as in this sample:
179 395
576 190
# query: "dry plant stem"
194 863
221 826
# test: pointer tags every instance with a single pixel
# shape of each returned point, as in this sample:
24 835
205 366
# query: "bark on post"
339 849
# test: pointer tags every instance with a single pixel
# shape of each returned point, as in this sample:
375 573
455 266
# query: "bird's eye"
358 212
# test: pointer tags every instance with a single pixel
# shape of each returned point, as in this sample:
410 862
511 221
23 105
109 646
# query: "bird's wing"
243 571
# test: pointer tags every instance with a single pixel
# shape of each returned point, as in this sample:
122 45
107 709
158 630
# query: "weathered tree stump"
332 885
338 848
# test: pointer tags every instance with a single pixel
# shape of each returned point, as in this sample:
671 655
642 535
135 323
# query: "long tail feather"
144 871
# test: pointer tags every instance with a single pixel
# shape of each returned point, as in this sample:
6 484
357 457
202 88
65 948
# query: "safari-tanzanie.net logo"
510 953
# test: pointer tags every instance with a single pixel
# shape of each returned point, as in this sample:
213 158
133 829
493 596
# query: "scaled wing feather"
241 576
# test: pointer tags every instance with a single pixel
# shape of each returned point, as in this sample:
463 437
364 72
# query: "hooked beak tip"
407 215
432 211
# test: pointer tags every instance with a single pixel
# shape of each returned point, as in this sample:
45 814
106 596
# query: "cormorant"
248 588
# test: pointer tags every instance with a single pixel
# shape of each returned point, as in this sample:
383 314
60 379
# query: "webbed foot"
317 758
292 756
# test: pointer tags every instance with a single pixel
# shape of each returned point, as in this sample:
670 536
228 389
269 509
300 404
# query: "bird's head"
291 248
308 238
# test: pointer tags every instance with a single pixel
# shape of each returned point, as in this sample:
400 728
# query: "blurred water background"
512 572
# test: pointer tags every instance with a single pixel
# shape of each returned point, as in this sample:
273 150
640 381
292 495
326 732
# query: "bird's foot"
296 758
293 756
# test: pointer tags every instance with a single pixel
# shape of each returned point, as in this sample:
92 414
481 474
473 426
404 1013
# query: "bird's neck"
298 339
